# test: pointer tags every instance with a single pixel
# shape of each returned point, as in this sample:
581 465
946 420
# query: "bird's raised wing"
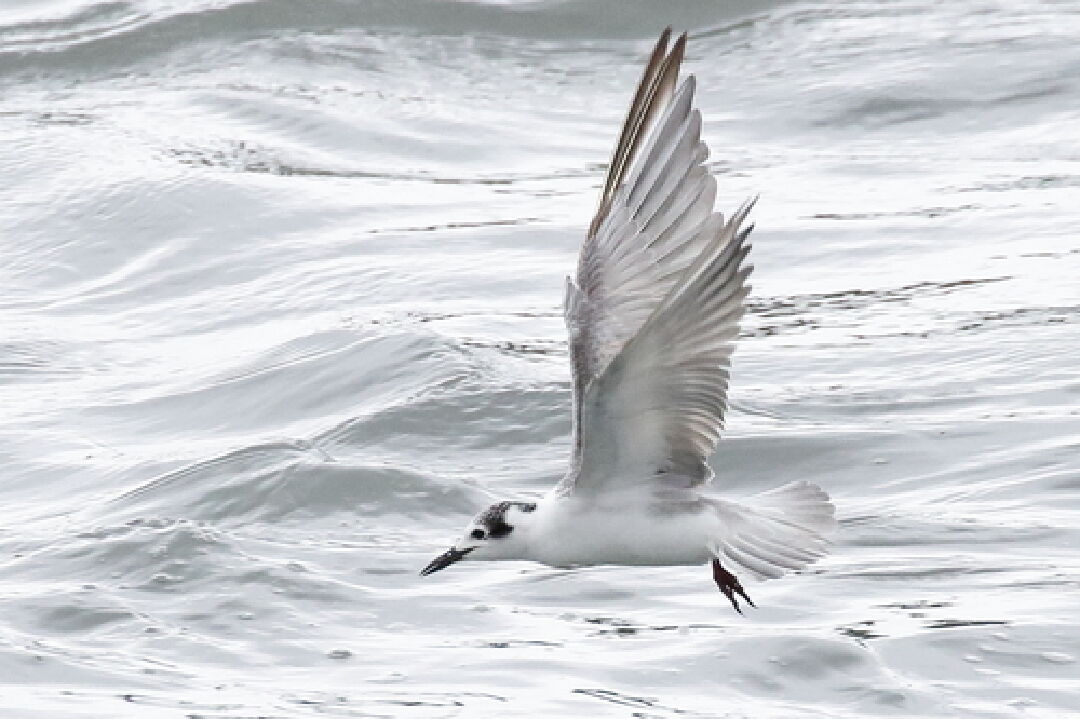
654 308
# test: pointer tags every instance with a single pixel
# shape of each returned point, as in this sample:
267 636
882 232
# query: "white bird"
652 316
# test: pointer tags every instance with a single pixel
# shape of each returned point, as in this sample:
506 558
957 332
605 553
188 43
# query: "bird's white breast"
569 531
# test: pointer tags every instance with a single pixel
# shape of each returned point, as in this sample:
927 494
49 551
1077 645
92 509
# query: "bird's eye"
477 534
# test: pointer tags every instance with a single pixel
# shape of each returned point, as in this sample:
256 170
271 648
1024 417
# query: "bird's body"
652 314
620 528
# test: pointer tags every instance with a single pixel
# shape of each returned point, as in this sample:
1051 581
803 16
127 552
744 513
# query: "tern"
652 315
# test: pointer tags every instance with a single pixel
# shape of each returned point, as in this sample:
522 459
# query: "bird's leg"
729 585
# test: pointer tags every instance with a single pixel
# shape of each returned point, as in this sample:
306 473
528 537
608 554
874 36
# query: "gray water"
280 309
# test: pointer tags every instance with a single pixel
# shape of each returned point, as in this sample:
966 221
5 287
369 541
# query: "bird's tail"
777 531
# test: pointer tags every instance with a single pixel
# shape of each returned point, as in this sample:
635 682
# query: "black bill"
444 560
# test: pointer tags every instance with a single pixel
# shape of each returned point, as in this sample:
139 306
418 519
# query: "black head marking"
494 517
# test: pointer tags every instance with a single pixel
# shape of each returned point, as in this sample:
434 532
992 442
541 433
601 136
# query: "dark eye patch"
499 528
495 518
477 534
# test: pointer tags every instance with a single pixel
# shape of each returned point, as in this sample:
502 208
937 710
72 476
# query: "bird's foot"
729 585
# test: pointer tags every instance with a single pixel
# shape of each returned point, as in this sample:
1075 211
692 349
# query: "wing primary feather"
723 240
656 86
633 117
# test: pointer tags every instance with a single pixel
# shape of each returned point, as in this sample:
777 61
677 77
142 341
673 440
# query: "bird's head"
499 532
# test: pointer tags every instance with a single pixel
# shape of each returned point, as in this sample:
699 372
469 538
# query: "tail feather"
801 503
784 530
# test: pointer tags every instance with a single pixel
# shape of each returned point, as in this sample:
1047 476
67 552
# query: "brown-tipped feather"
636 110
653 93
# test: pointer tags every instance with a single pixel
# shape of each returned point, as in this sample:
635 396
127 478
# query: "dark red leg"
729 585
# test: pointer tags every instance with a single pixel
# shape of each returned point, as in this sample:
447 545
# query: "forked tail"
776 531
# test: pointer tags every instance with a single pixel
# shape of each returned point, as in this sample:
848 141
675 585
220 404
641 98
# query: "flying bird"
652 315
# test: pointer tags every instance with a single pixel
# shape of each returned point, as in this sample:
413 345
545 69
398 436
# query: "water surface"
280 309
